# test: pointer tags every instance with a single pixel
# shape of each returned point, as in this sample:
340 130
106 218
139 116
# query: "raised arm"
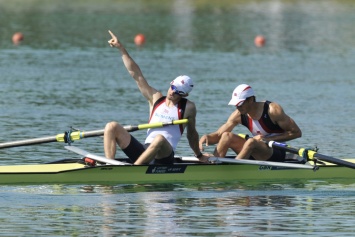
147 91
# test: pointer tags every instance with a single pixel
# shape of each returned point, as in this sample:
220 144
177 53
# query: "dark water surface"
64 74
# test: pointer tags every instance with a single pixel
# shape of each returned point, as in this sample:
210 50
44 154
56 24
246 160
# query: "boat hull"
76 173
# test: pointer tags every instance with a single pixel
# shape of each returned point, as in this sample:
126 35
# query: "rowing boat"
100 170
185 169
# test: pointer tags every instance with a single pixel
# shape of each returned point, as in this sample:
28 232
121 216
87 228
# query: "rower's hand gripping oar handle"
309 154
303 152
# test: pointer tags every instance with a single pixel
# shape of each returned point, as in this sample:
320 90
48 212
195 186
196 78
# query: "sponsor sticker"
166 169
267 167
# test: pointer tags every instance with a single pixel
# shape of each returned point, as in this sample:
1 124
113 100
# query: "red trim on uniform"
180 117
155 107
250 121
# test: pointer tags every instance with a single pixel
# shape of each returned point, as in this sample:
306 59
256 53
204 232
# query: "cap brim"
235 102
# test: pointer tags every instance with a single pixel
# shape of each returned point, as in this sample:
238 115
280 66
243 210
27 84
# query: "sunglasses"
176 91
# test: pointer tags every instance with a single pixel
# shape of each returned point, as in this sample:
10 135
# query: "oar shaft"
335 160
94 133
285 147
28 142
311 154
248 162
58 138
77 135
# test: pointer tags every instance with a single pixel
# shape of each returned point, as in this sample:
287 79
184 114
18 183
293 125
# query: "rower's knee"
158 141
226 137
251 143
112 127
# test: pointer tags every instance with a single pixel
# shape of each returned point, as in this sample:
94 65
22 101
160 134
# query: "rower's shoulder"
190 108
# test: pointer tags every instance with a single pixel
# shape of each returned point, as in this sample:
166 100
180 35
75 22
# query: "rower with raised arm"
160 143
266 120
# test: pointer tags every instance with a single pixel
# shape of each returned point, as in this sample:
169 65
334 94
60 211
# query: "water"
64 74
315 209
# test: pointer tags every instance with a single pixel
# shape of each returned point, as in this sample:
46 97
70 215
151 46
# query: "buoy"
259 41
139 40
17 38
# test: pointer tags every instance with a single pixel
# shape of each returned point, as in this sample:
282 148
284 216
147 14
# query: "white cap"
183 84
240 94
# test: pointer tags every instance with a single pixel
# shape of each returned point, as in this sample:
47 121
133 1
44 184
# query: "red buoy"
259 41
139 40
17 38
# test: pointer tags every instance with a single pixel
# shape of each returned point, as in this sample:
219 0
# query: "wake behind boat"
185 169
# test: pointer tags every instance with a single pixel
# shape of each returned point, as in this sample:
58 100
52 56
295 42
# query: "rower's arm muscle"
192 134
134 70
292 131
233 120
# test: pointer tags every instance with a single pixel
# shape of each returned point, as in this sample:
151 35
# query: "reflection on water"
223 209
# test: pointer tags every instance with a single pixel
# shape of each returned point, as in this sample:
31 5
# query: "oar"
84 153
70 136
249 162
312 155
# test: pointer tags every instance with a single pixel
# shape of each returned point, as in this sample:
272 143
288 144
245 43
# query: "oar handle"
245 136
131 128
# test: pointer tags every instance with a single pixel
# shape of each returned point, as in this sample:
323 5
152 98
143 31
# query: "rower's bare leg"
258 149
228 140
159 148
115 133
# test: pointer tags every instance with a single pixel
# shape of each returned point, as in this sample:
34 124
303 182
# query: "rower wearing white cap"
266 120
160 143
